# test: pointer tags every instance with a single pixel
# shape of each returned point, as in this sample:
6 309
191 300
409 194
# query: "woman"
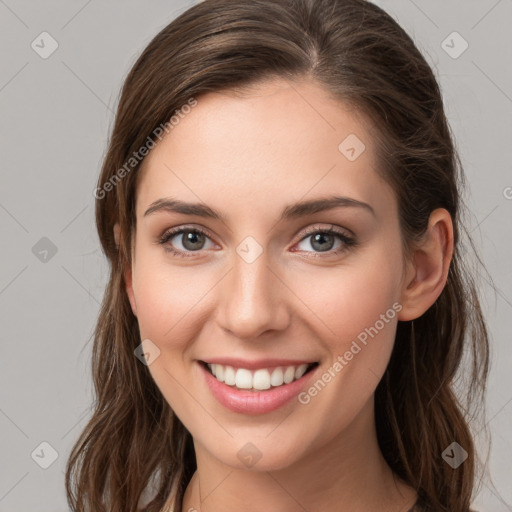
288 305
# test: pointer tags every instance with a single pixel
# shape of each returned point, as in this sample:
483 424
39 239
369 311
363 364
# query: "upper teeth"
259 379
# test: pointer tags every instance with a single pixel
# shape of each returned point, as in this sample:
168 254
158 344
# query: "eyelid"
326 228
178 230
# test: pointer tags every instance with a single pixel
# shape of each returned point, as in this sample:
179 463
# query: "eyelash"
348 242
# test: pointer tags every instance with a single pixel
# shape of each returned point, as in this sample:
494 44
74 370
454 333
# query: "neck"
348 473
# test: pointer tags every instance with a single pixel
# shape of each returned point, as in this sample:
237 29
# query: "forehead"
274 141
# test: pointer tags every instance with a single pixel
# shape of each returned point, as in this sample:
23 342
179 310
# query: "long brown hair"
134 448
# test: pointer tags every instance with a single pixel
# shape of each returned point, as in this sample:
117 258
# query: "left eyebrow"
319 205
291 211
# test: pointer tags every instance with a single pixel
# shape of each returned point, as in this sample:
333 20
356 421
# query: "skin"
249 156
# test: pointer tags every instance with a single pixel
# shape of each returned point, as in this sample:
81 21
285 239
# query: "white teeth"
259 379
300 371
289 374
243 379
229 375
277 377
220 372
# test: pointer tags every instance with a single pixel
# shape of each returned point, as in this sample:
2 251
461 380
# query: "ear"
127 273
427 273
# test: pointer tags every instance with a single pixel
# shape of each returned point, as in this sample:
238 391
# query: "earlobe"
430 266
127 273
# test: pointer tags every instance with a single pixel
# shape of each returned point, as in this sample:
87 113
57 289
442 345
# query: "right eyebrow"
175 205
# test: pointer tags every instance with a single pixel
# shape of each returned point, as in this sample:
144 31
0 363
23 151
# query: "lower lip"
255 402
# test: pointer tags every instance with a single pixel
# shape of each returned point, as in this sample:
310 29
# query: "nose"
253 299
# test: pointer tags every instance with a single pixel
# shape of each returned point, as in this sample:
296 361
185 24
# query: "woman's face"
263 286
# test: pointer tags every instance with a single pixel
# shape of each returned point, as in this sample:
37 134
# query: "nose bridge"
252 299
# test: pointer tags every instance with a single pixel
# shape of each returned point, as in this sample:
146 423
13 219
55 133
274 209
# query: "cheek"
355 310
348 299
169 298
357 322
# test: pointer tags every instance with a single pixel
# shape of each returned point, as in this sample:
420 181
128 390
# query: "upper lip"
254 364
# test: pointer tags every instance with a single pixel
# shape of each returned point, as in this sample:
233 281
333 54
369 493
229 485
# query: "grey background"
56 114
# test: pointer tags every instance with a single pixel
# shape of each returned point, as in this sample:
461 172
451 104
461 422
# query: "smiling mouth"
258 380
